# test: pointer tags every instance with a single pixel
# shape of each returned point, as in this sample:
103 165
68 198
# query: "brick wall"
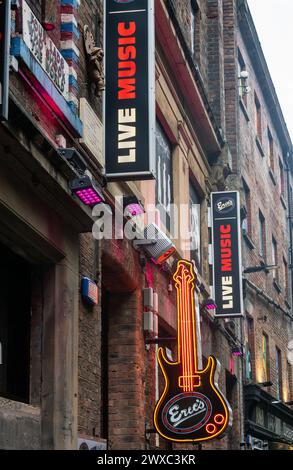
264 182
89 349
230 73
126 384
215 55
91 14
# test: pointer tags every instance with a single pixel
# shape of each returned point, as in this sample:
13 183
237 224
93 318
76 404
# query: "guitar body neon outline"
191 407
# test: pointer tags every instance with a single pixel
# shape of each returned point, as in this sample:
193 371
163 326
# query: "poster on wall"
129 105
227 262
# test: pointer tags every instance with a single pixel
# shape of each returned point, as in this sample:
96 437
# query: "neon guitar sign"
191 408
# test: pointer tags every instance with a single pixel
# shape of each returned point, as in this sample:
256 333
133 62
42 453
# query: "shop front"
268 422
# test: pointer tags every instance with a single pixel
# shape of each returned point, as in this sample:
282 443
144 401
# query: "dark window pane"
164 186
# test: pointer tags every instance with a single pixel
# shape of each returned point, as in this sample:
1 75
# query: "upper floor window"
265 358
193 25
282 177
290 380
262 235
195 213
279 374
258 124
271 150
275 258
249 354
242 78
247 221
286 279
164 186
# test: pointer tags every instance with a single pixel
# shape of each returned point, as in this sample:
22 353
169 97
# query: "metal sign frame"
144 165
230 270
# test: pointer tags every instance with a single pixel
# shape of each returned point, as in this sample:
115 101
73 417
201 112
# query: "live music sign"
129 106
227 263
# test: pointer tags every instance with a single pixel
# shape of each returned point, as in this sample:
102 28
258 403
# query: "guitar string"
185 379
188 313
184 359
186 331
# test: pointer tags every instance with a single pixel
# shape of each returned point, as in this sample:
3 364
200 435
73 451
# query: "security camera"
244 74
247 90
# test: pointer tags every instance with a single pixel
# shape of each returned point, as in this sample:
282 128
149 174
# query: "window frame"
279 378
166 138
262 235
271 146
275 258
258 117
198 197
266 359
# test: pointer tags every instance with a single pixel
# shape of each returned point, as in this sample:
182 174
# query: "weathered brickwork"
105 348
268 194
89 349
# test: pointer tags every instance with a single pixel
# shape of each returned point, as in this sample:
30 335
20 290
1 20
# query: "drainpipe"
290 220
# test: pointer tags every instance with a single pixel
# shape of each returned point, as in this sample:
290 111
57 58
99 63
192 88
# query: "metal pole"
290 218
5 32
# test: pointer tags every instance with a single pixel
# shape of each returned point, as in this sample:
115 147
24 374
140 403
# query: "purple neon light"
135 209
236 353
210 306
88 196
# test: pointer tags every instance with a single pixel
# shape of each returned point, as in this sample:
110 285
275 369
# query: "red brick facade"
94 374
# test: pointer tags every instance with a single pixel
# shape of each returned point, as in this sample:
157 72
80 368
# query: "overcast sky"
274 23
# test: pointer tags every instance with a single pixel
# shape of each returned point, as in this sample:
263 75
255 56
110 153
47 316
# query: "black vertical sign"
129 107
4 57
227 263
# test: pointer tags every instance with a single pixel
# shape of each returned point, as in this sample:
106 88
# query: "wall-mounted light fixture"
268 383
73 157
236 351
209 304
262 267
245 89
133 206
156 244
87 190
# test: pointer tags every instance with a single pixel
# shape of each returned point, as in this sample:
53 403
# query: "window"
192 31
262 236
193 26
285 279
194 211
265 358
279 374
274 258
248 368
258 126
247 221
164 187
290 380
15 315
271 150
249 348
282 177
242 81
